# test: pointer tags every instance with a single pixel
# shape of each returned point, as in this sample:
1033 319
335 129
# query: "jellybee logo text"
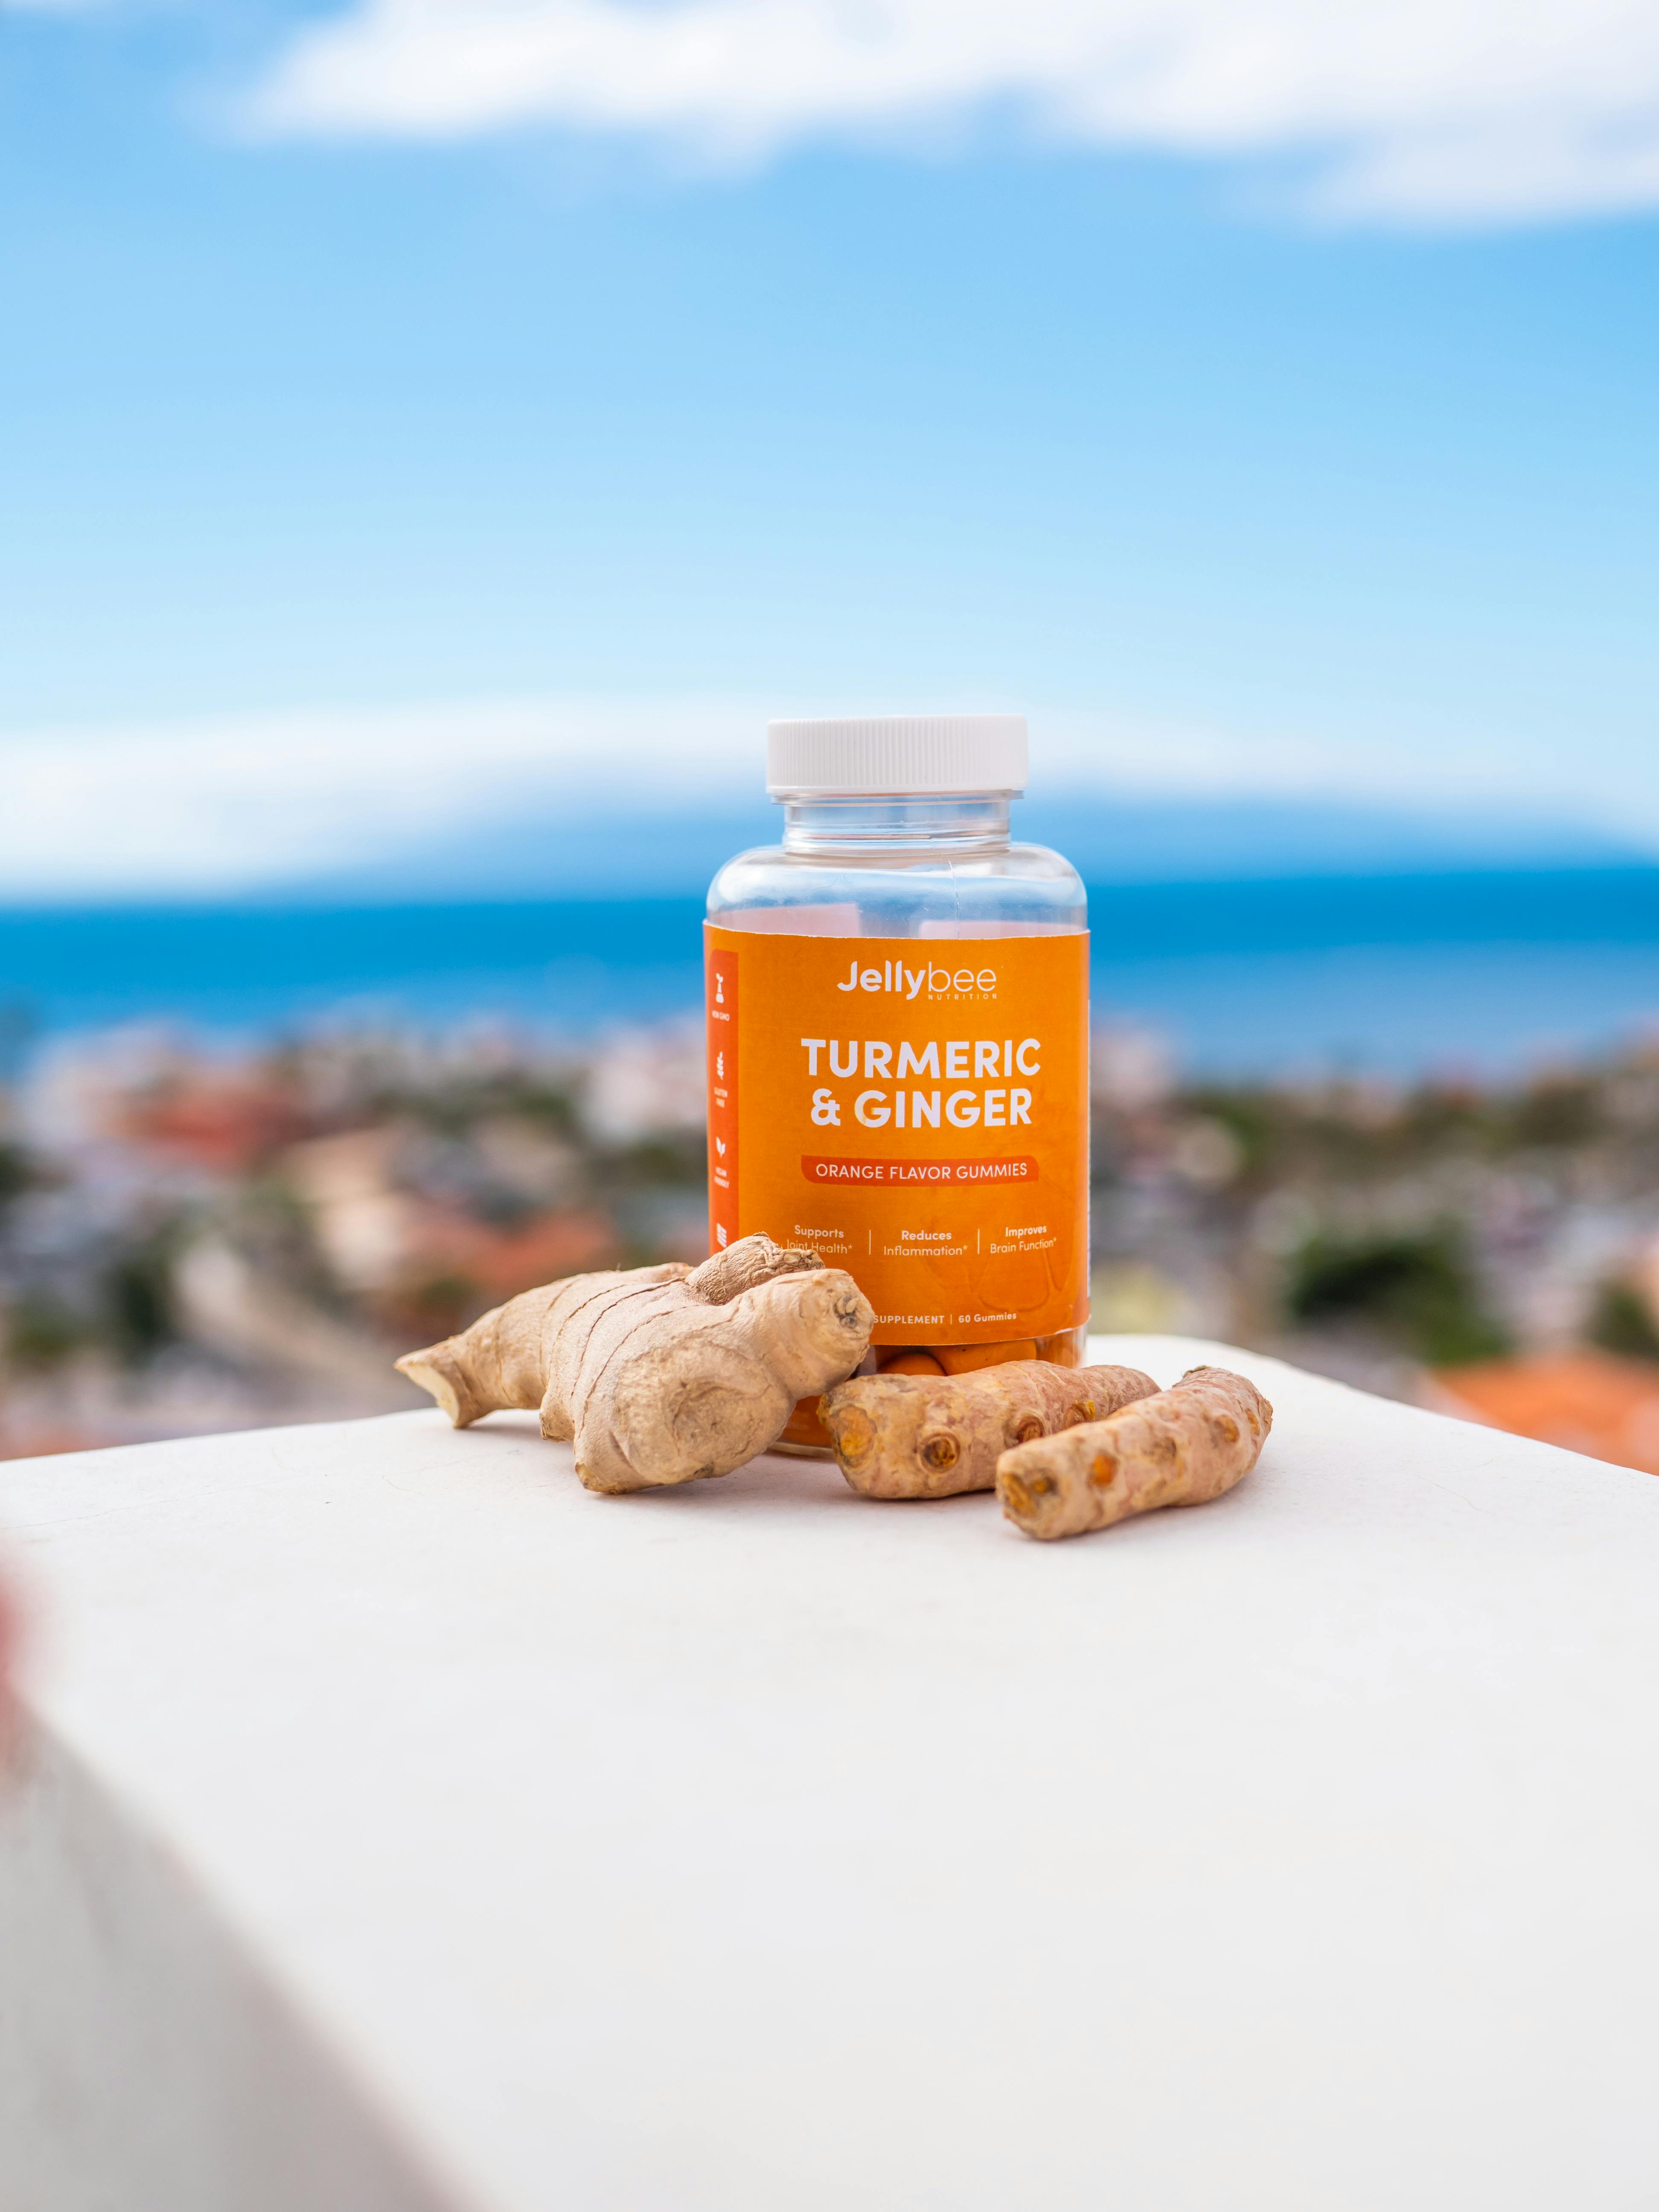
908 982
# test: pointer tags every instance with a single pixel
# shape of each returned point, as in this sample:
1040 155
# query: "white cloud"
261 803
1415 110
256 802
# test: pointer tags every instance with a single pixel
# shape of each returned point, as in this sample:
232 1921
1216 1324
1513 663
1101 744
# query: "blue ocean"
1480 970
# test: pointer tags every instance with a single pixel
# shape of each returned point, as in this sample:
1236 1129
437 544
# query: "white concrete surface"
402 1827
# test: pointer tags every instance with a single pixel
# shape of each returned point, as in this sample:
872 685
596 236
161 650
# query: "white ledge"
399 1826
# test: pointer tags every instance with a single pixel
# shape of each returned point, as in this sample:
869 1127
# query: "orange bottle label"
915 1109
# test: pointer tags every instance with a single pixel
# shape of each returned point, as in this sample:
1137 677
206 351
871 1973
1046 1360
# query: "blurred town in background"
421 488
193 1239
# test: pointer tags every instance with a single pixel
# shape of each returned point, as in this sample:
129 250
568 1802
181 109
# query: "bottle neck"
863 823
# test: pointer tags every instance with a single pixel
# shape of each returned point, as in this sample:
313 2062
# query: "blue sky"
1257 451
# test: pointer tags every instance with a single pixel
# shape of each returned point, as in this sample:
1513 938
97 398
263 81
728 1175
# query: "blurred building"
1586 1400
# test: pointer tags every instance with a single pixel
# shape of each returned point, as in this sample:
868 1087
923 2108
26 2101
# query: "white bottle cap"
895 754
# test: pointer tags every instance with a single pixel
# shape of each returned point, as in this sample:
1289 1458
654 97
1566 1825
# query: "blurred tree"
18 1174
1620 1321
42 1331
138 1298
1417 1289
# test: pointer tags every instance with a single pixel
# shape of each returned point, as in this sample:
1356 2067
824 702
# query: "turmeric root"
658 1375
917 1436
1183 1447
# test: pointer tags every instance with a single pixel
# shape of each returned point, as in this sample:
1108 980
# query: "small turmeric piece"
917 1436
658 1375
1183 1447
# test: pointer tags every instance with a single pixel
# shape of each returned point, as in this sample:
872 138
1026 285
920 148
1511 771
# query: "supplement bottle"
897 1002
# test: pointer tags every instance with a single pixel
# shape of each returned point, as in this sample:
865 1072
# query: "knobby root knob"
659 1375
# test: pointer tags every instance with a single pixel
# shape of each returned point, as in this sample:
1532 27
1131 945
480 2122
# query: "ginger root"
658 1375
921 1436
1183 1447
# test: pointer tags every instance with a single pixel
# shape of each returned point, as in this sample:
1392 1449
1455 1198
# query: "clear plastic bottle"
896 834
